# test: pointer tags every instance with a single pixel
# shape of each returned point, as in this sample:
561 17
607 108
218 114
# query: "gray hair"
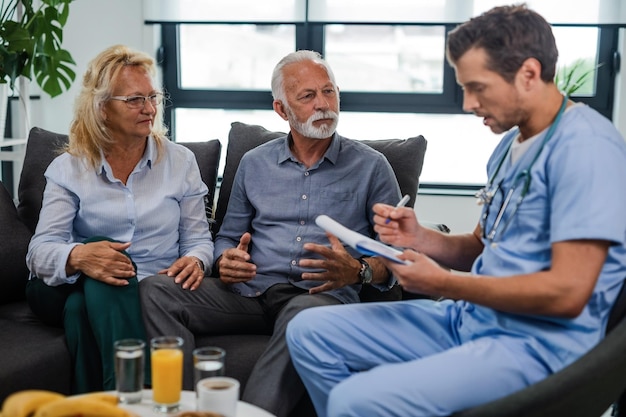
278 87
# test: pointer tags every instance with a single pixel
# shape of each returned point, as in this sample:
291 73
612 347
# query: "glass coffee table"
188 403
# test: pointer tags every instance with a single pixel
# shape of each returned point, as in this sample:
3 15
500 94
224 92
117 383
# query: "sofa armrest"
435 226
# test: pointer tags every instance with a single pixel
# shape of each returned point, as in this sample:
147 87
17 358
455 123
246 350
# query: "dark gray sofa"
33 355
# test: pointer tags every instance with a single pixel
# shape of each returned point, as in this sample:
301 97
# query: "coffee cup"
218 394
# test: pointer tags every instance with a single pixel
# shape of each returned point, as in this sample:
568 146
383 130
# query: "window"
393 77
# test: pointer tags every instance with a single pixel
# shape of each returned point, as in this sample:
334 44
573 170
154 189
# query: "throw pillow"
43 146
241 138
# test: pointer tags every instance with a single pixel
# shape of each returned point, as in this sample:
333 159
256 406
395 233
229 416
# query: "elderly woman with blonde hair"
121 203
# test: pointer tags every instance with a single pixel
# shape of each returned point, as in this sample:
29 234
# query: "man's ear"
529 73
279 108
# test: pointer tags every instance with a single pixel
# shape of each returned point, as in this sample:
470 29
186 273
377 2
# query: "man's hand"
234 265
102 261
186 270
340 268
397 226
421 276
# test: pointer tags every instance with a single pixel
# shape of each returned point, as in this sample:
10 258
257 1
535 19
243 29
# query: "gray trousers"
213 309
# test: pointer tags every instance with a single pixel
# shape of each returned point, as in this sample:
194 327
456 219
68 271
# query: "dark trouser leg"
114 313
210 309
47 302
274 383
64 306
82 344
93 315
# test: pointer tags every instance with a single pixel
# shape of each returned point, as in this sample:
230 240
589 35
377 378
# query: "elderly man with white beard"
273 260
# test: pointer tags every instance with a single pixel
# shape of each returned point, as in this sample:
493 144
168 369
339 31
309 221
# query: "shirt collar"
332 153
149 155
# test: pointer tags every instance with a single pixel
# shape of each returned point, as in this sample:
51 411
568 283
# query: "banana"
100 396
24 403
82 406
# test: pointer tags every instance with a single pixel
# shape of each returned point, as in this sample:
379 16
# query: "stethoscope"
485 195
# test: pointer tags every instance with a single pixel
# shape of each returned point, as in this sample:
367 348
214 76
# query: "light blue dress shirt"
160 210
276 199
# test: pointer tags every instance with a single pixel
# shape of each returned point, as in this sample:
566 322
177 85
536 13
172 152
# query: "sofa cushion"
42 147
208 156
14 239
406 157
241 138
34 356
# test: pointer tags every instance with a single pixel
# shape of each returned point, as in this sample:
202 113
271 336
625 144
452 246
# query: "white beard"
307 128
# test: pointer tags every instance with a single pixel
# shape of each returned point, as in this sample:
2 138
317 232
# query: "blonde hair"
88 132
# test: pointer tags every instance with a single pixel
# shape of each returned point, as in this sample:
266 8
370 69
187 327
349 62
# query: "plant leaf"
54 72
32 46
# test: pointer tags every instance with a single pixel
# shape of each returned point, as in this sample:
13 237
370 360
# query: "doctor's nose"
470 102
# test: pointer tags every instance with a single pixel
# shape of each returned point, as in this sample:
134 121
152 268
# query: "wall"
92 26
95 25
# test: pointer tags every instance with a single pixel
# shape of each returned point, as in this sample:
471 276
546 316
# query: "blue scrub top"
572 195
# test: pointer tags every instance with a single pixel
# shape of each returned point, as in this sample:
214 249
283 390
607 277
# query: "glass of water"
207 362
129 369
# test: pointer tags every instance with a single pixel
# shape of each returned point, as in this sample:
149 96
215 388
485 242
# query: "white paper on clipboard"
363 244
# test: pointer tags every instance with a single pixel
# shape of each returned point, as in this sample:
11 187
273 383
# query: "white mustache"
329 114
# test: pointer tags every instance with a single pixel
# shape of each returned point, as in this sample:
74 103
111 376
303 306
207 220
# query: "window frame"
310 35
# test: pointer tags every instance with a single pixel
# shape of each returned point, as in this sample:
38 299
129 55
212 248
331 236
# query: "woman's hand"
102 261
187 271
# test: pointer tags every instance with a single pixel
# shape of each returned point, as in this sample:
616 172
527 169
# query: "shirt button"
258 293
306 174
298 239
293 263
304 196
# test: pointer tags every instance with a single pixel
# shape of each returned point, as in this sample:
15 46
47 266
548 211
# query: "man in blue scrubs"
546 260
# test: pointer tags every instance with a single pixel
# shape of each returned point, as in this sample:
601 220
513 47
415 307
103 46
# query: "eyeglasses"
138 102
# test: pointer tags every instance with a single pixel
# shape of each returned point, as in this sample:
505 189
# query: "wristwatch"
365 274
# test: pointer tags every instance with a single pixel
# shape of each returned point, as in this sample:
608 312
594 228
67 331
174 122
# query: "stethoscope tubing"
485 195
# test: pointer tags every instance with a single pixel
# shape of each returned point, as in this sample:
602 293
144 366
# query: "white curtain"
364 11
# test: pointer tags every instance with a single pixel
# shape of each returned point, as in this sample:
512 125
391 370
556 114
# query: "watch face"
366 273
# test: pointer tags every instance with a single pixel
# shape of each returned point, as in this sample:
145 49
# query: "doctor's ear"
530 71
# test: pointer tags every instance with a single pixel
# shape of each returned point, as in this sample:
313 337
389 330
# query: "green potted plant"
31 44
576 77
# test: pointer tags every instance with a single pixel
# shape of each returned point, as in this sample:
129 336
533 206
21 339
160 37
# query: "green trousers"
94 315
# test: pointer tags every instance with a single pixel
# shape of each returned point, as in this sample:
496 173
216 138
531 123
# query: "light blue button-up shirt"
160 210
276 199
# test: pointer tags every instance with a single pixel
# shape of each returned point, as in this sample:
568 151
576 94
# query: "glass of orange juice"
167 372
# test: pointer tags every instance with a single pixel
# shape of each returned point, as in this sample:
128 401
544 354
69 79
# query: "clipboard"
363 244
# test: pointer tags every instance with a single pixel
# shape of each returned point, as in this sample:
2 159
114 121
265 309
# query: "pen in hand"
401 203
